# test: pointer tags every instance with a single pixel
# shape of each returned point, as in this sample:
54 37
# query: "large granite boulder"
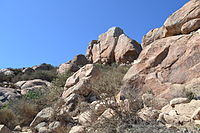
35 84
77 83
113 46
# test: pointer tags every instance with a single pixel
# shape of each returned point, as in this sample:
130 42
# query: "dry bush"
8 118
106 87
25 111
109 82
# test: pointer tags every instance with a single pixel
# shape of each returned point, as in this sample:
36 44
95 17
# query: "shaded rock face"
7 94
43 66
73 65
78 81
183 21
166 63
113 46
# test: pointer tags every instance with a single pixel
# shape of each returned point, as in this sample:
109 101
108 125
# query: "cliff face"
171 55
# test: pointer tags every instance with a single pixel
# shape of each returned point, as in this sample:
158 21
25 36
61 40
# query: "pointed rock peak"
115 31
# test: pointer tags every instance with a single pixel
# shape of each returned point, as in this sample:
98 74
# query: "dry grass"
8 118
25 112
109 82
22 111
62 129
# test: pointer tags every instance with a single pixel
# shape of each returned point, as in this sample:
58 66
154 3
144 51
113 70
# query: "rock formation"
113 46
73 65
183 21
162 84
171 61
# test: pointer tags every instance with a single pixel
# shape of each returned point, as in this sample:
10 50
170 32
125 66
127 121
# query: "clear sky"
54 31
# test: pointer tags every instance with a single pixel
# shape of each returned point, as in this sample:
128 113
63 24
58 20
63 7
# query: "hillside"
119 86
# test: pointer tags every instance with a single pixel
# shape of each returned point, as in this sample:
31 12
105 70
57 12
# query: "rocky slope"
117 87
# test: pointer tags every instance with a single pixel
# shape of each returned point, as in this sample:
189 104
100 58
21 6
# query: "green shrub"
33 94
60 80
48 75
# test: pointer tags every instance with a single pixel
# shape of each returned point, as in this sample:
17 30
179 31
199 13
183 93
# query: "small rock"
87 117
77 129
109 113
54 125
43 130
4 129
170 126
196 114
42 124
179 101
43 115
149 114
18 128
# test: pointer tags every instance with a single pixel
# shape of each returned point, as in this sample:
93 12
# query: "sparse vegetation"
110 80
23 110
49 75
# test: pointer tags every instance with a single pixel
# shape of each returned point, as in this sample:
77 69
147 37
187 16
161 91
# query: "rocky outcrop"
35 84
73 65
43 67
165 63
113 46
6 72
183 21
169 62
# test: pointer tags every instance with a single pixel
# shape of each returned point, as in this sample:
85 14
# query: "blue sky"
54 31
